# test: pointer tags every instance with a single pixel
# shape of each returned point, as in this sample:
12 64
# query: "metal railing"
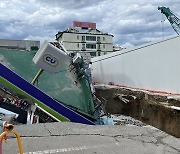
9 130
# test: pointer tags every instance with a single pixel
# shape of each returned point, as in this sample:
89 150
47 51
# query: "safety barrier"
8 129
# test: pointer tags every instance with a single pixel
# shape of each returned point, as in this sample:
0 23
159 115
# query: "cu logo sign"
51 60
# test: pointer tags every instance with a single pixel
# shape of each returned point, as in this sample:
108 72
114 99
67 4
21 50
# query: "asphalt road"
54 138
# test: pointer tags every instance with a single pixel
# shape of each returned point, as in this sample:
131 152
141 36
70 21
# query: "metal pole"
18 139
37 76
19 142
0 146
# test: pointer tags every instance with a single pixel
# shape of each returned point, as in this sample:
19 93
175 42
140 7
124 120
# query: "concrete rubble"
79 138
156 109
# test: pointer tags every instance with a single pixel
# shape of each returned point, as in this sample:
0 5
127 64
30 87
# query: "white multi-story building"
86 39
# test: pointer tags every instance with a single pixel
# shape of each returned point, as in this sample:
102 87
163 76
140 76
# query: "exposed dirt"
149 108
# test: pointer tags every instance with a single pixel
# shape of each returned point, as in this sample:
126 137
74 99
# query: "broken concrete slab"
158 110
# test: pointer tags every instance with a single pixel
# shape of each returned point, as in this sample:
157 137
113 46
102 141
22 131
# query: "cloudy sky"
132 22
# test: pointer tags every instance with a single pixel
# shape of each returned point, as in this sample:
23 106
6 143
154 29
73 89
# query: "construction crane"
172 17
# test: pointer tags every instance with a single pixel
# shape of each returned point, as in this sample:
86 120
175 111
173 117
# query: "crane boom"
172 17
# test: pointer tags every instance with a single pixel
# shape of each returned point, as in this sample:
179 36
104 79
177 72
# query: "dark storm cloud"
131 22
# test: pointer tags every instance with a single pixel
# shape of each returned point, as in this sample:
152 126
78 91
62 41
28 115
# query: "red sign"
84 24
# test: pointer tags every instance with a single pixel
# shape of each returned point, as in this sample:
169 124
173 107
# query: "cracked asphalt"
67 137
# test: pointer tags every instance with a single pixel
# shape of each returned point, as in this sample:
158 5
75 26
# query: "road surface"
68 138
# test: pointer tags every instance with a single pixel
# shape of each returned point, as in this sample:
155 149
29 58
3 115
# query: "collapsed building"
145 83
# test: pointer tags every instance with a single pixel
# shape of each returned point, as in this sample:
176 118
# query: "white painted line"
175 107
51 151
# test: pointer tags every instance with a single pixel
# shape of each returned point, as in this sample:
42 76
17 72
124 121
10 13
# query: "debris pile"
126 120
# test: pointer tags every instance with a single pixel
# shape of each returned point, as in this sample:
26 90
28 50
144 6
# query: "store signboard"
84 24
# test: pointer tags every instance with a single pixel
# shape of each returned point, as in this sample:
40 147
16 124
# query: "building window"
91 46
93 54
104 46
83 47
83 38
98 47
78 45
99 53
98 39
103 38
90 38
77 37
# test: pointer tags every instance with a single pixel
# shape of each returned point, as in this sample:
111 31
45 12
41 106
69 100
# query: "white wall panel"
154 66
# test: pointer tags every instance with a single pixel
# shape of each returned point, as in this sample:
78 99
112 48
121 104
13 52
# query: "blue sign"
51 60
